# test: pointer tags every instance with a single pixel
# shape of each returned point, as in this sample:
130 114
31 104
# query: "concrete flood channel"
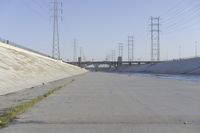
113 103
185 78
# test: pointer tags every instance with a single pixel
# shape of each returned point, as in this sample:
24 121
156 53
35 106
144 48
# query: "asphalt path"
114 103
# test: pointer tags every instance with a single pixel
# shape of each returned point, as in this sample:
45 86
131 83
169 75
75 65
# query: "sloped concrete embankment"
20 69
184 66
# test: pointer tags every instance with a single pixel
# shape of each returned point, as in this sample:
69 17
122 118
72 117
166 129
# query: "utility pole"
57 12
130 48
155 38
75 50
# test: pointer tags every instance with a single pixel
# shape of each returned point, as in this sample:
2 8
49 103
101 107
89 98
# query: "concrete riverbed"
115 103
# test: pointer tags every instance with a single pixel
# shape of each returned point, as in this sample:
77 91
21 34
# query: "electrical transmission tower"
130 48
108 57
81 52
57 12
113 55
155 38
75 50
121 50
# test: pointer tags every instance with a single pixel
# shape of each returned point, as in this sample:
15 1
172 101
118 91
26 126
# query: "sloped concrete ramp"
20 69
190 66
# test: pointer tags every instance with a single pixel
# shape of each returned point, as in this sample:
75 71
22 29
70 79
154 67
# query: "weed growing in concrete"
13 112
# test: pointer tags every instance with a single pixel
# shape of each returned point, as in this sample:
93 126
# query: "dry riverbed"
114 103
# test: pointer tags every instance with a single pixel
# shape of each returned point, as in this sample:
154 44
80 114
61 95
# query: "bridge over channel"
110 64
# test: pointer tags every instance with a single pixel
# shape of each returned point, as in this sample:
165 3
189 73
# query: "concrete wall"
20 69
184 66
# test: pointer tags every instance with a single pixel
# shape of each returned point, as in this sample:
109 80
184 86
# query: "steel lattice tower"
121 50
75 50
130 48
56 8
113 55
155 38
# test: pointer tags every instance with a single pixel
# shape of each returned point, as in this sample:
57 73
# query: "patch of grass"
13 112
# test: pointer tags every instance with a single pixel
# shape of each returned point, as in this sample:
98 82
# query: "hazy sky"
99 25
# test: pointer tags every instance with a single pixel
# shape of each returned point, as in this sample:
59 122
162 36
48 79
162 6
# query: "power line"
182 19
173 8
41 6
174 14
29 6
186 26
185 16
186 23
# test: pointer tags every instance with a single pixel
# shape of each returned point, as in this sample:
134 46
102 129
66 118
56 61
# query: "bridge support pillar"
96 67
110 66
79 61
115 65
119 61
